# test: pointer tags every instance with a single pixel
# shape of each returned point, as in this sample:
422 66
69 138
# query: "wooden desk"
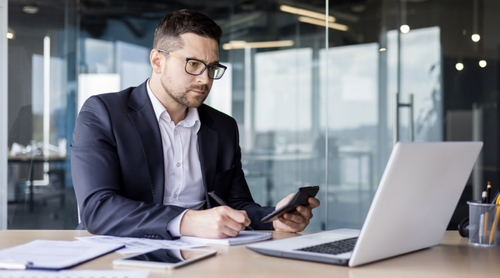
453 258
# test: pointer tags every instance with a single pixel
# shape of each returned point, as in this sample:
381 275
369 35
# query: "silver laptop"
411 209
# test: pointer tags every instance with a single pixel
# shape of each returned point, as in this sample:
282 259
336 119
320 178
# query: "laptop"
411 209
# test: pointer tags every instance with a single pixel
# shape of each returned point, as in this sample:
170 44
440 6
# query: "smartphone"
165 258
298 199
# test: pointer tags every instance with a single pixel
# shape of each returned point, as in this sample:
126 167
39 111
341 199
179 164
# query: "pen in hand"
222 203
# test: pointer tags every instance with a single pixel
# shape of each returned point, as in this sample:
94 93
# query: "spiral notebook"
242 238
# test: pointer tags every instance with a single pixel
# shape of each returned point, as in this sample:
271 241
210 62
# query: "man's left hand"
295 221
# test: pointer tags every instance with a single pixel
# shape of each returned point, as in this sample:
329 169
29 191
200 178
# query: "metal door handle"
396 118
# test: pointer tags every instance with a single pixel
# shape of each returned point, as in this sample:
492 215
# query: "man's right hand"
218 222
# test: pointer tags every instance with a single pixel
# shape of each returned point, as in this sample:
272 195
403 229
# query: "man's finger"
305 211
313 202
240 216
293 226
227 225
233 225
231 232
296 218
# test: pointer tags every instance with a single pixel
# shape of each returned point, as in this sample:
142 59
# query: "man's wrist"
174 226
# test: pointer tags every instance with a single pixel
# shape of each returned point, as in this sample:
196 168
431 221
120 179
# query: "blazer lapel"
143 119
208 143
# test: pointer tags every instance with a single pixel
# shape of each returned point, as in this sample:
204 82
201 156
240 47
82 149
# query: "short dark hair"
168 31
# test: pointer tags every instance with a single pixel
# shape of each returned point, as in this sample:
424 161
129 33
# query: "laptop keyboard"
333 248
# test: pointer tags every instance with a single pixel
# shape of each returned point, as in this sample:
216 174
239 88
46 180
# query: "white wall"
3 114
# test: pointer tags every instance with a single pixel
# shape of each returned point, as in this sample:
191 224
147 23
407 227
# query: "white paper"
75 274
242 238
141 245
55 254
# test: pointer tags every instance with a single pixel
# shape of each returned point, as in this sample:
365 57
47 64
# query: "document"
141 245
242 238
53 254
75 274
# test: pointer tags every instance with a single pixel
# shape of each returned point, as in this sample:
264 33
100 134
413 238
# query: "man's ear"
155 58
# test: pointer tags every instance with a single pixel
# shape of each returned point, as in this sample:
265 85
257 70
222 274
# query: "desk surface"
453 258
37 158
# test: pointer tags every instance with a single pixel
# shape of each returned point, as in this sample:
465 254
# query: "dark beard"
183 100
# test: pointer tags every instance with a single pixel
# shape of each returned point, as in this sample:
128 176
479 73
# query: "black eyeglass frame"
204 68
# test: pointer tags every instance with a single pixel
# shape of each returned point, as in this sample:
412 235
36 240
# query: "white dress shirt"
183 177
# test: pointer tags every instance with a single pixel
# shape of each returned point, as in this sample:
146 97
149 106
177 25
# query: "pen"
496 197
481 228
486 214
495 222
13 265
222 203
482 223
488 191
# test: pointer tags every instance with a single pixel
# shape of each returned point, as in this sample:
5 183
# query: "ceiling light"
475 37
331 25
30 9
312 14
358 8
234 45
459 66
482 63
10 33
244 44
405 29
382 49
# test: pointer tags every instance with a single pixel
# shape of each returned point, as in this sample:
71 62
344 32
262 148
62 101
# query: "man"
144 159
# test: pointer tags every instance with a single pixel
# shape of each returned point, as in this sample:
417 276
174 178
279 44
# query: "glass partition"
315 105
3 116
41 96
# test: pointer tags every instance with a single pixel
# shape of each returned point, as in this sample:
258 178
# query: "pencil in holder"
484 224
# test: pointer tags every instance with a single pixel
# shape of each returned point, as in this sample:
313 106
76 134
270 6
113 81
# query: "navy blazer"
117 166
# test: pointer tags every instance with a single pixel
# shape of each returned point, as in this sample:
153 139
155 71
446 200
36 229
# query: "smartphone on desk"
298 199
165 258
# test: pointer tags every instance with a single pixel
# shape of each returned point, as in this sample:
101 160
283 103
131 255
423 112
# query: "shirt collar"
157 106
192 118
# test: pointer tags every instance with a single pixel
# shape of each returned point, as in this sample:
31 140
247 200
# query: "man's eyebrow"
208 63
213 63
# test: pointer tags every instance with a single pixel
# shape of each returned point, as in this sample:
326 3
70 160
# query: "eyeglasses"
196 67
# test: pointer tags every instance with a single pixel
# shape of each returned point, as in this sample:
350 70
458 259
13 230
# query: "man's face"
183 88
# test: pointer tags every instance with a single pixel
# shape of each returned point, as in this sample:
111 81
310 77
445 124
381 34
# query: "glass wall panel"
41 93
275 99
271 86
313 105
420 73
351 100
449 62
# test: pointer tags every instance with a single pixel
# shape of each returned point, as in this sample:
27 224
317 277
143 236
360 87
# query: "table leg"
32 181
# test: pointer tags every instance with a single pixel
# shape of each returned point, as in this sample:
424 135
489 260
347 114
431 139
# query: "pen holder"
484 224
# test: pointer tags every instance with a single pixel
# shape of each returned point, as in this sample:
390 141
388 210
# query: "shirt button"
175 131
175 196
178 164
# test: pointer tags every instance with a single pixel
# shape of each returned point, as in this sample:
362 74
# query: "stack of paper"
75 274
140 245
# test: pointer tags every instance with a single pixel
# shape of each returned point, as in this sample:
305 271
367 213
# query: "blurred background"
316 103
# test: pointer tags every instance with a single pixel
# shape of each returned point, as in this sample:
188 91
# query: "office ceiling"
247 14
250 18
51 11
